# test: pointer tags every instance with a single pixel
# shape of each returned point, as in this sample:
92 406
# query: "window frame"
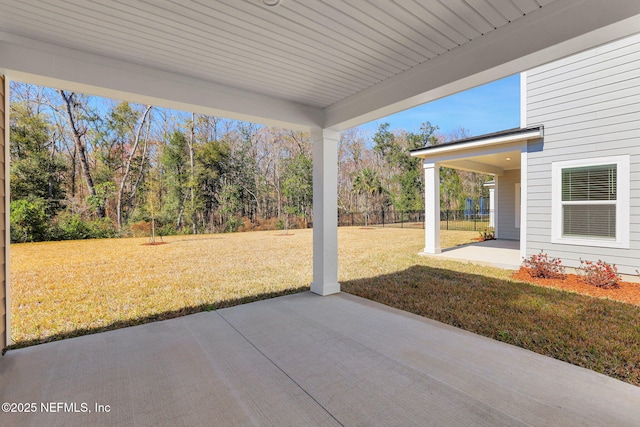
622 203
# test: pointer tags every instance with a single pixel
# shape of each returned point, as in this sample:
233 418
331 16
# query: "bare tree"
127 166
77 134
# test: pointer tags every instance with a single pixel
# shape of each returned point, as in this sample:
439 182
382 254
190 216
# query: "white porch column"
524 200
325 211
496 203
431 208
492 207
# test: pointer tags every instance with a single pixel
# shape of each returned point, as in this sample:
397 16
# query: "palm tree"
367 182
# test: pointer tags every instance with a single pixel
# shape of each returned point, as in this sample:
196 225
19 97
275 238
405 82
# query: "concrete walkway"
494 253
304 360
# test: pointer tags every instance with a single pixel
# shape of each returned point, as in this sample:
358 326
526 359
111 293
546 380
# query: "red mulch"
627 292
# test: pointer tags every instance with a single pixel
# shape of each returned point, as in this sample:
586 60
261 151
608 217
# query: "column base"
325 289
431 251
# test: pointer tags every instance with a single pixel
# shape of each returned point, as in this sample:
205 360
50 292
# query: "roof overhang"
491 153
45 64
247 62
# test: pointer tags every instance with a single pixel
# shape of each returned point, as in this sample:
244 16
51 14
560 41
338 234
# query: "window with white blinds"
591 202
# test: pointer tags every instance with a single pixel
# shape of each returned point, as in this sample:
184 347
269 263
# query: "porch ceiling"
313 52
495 163
332 63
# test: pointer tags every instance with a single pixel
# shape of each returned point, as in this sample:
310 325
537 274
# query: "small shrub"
231 225
166 230
29 220
247 225
268 224
101 228
600 274
487 234
297 222
140 229
72 227
543 266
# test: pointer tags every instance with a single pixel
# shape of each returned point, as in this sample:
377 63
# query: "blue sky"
488 108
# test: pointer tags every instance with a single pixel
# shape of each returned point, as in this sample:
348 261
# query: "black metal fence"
462 220
382 218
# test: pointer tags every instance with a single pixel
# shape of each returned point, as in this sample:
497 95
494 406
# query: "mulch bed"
626 292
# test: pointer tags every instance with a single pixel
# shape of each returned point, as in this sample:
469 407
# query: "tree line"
89 167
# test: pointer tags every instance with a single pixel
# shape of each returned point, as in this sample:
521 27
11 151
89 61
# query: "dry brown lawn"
61 289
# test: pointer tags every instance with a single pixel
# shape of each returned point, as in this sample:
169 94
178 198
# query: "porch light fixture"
271 3
508 158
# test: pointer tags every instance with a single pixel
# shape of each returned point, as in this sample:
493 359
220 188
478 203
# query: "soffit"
488 163
315 53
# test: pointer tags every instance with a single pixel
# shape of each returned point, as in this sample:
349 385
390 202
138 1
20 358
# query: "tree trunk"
50 181
366 210
192 164
181 213
80 148
73 170
127 169
134 188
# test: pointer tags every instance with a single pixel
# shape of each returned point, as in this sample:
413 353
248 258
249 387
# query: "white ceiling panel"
322 54
313 52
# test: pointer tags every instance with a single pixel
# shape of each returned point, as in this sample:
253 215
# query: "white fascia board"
35 62
559 29
471 148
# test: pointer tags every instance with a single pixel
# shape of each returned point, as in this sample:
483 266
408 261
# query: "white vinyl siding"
505 205
589 104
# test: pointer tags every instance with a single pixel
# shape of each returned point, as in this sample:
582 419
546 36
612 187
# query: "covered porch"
303 360
321 67
502 155
493 253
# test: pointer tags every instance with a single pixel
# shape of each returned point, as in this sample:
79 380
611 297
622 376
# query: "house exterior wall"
4 333
505 205
589 105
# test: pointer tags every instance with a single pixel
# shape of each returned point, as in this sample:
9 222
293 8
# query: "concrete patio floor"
494 253
305 360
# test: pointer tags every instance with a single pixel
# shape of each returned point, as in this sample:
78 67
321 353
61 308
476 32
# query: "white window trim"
622 203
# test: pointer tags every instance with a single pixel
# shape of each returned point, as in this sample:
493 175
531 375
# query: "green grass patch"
598 334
